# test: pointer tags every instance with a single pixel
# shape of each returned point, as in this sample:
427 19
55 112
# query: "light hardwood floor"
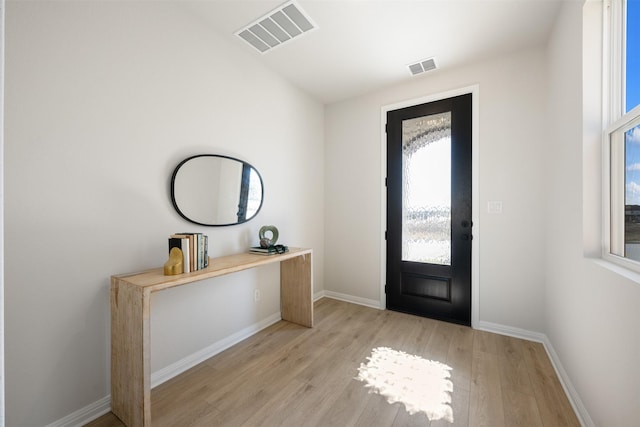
288 375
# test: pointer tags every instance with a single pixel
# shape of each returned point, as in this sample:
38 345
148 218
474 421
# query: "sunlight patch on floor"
421 385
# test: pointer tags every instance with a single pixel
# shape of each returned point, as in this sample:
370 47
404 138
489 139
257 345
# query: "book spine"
186 255
206 251
199 251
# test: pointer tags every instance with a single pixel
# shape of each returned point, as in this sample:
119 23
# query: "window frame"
619 122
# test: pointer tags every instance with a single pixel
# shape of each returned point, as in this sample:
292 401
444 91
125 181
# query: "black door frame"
475 209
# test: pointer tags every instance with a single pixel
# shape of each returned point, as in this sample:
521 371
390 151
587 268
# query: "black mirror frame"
173 198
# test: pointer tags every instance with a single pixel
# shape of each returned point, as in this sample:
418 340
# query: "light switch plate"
494 207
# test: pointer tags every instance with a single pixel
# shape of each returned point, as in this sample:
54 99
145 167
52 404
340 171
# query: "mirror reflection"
216 190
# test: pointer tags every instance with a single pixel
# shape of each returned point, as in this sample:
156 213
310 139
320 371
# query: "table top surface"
155 279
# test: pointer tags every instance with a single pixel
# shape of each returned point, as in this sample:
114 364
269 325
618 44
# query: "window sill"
618 269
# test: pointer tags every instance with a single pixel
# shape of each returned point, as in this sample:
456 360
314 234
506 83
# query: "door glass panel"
426 189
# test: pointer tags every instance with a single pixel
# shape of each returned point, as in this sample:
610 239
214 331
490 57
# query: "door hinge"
385 235
386 128
386 288
385 181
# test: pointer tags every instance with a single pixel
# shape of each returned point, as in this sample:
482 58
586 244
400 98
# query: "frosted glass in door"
426 189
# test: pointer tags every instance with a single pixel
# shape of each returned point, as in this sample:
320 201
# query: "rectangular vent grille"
422 66
277 27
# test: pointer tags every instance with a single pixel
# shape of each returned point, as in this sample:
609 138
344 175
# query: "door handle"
466 237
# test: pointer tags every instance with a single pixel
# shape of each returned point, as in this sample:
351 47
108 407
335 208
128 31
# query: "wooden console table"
130 319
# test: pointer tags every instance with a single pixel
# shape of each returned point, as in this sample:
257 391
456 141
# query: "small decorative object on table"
265 241
174 263
268 244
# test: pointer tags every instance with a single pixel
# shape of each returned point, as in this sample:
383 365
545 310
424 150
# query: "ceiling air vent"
277 27
423 66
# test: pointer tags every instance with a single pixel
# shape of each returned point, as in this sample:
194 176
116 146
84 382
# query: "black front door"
429 209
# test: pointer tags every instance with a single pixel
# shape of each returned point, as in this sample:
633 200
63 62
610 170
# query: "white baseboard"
567 385
353 299
510 331
85 415
574 398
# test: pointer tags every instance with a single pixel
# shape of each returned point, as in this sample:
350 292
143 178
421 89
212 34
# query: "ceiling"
361 46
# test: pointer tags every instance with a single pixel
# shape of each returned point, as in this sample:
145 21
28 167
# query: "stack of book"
271 250
195 250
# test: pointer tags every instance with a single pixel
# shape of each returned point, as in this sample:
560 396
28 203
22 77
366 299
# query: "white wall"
2 375
103 99
512 133
592 313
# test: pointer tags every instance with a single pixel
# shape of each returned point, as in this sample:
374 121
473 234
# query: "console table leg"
130 340
296 290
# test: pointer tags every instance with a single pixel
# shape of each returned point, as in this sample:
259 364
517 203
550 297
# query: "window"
622 138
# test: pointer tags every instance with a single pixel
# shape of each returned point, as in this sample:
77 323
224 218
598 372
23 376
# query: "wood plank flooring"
288 375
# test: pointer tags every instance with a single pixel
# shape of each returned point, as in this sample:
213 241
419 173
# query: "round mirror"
209 189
